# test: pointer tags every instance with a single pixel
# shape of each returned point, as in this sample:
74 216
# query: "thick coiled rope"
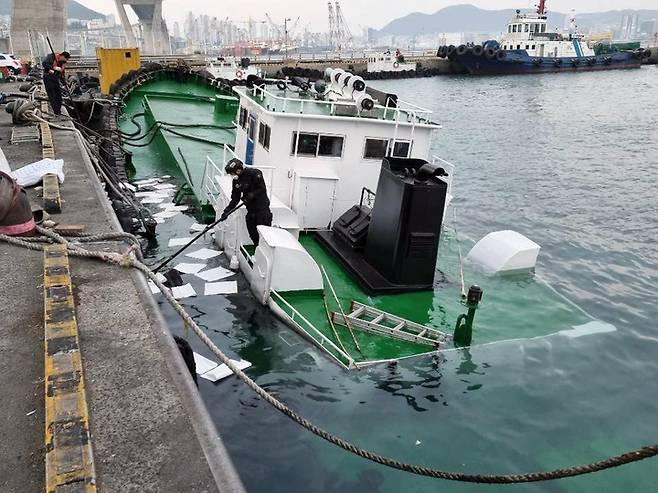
128 261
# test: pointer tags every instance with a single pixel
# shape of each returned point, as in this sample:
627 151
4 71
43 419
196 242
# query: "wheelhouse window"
509 28
401 148
514 28
527 27
312 144
375 148
330 146
264 132
244 115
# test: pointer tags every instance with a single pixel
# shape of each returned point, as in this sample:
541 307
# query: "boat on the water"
361 258
528 46
386 62
231 68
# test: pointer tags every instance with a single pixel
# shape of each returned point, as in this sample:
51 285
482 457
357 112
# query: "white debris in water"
174 242
164 186
190 268
418 442
168 215
151 194
203 364
185 291
215 288
128 186
154 288
593 327
196 227
204 254
217 372
170 206
146 182
152 200
216 274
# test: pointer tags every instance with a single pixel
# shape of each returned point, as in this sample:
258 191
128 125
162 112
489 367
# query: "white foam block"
178 241
166 215
160 277
223 371
152 200
593 327
204 254
146 181
185 291
190 268
153 287
164 186
203 364
170 206
128 186
196 227
216 274
151 194
226 287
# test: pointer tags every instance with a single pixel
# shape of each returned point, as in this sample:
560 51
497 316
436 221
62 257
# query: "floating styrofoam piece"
170 206
151 194
160 277
164 186
216 274
167 215
185 291
128 186
226 287
203 364
505 251
33 173
146 181
154 288
174 242
593 327
204 254
152 200
223 371
197 228
190 268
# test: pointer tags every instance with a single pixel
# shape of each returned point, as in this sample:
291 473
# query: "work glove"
58 69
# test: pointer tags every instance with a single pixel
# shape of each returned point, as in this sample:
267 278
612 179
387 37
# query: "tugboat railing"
417 113
450 169
210 188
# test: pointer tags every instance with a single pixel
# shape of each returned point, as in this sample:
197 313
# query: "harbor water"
569 160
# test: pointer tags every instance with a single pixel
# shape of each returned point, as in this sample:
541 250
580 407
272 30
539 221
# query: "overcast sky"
359 13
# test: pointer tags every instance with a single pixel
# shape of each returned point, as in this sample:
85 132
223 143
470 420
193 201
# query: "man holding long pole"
53 77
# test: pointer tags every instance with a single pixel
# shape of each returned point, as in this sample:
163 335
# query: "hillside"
75 10
468 18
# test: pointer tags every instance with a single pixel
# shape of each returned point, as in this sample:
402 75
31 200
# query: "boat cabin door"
251 138
314 200
541 50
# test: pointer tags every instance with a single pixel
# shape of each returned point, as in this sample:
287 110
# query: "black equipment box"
405 228
352 227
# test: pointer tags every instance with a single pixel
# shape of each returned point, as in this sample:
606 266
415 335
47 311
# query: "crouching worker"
248 185
53 77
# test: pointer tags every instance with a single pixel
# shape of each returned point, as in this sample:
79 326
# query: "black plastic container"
405 228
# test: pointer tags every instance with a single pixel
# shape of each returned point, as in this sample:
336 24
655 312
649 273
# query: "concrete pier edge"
210 441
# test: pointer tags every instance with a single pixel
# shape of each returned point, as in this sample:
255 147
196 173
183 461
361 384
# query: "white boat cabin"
529 32
387 62
317 152
230 68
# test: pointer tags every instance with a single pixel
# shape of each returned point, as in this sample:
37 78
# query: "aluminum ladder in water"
369 319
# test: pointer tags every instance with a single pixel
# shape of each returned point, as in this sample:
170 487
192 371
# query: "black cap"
65 54
233 165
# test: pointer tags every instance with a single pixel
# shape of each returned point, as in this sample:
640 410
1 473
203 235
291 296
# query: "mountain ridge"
469 18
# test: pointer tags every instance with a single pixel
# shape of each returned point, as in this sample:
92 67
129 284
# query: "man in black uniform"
248 185
53 75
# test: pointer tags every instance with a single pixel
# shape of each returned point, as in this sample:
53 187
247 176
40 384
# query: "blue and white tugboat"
528 47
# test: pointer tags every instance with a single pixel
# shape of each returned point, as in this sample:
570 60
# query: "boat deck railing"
209 188
450 169
403 111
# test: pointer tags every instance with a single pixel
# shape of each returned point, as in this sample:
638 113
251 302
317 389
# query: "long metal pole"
347 322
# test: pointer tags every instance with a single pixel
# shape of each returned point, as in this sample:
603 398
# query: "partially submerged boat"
361 257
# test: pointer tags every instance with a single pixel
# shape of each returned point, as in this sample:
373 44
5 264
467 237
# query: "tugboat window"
264 132
514 28
308 144
527 27
330 145
401 149
243 117
375 148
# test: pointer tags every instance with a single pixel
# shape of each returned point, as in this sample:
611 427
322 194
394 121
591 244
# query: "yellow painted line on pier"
69 459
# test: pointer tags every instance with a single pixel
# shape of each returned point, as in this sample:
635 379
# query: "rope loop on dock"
129 261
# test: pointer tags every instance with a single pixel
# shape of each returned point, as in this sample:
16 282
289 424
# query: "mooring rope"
128 261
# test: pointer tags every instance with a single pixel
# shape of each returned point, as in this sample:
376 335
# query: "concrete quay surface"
149 429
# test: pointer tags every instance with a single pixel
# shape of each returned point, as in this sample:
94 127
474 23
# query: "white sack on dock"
33 173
